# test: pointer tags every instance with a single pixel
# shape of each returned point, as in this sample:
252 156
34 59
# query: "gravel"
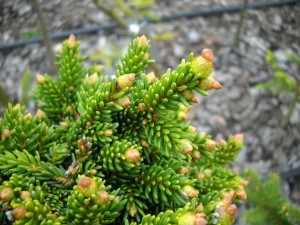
238 108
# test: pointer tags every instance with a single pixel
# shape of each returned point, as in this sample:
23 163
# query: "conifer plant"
117 149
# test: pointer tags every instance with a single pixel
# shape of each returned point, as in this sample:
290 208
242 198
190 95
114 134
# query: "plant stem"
46 35
293 104
109 12
239 27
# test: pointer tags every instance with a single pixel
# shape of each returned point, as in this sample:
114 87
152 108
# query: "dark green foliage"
116 150
268 204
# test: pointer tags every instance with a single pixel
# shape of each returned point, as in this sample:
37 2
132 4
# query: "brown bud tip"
144 143
232 210
196 154
190 191
144 122
93 172
124 102
132 155
183 170
6 133
200 176
241 194
132 212
207 172
64 125
151 77
72 37
210 145
87 186
185 146
216 85
108 132
141 107
222 143
209 83
69 108
200 207
142 40
125 80
200 221
187 219
41 114
19 213
81 145
28 116
89 123
238 139
208 54
7 194
103 197
94 78
39 78
25 195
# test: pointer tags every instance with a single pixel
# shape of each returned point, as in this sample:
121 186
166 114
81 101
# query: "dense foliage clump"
116 149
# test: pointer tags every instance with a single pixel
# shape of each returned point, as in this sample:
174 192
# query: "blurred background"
256 48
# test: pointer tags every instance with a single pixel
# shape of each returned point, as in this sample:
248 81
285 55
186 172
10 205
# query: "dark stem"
240 24
46 35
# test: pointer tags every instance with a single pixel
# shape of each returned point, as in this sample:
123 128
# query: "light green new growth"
117 150
282 82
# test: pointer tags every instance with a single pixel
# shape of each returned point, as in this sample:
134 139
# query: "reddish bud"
64 125
209 83
132 155
185 146
191 219
142 41
94 78
19 213
189 95
210 145
196 154
141 107
7 194
87 186
190 191
41 114
25 195
144 143
183 170
71 42
208 54
222 143
144 122
125 80
237 139
227 214
81 145
103 197
200 176
6 133
124 101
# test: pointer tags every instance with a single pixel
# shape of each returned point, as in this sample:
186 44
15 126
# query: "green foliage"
116 150
267 203
282 82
